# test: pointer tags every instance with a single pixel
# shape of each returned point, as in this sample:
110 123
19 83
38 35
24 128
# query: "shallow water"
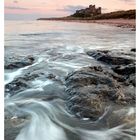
59 48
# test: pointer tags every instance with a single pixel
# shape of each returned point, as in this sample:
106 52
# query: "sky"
33 9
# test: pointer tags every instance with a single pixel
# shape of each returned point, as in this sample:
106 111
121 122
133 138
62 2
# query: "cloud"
71 8
27 16
15 1
128 0
104 10
21 16
15 8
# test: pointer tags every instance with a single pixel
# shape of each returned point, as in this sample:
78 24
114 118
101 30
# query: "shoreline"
124 23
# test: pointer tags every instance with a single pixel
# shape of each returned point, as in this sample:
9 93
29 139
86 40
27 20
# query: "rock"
131 80
133 29
92 89
10 131
133 50
51 76
109 59
112 83
20 84
114 60
123 66
125 70
14 64
16 86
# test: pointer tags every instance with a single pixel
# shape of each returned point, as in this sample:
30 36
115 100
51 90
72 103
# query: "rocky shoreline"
112 83
111 80
89 92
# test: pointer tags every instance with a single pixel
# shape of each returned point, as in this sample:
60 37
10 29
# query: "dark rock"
14 64
125 70
114 60
109 59
123 66
51 76
20 83
90 90
112 83
131 80
133 29
16 86
133 50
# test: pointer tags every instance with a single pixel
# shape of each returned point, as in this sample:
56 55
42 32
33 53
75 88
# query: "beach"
125 23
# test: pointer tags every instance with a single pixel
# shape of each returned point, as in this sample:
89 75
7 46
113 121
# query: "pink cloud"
53 6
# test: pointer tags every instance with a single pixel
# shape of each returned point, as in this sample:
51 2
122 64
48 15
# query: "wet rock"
51 76
13 125
133 29
133 50
125 70
13 63
91 89
123 67
10 131
109 59
20 83
131 80
16 86
114 60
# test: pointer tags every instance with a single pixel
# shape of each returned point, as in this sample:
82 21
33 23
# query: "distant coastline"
129 14
125 19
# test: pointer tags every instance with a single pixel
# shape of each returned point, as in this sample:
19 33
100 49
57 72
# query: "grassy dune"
130 14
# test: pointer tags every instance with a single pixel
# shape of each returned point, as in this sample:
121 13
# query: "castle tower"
99 10
92 6
88 12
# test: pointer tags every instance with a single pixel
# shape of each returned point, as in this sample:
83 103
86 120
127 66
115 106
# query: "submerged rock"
10 131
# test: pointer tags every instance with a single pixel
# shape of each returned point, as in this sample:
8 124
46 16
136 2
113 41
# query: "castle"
88 12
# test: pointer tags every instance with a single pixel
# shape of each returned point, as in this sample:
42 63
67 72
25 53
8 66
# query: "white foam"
11 76
69 65
40 83
131 111
107 134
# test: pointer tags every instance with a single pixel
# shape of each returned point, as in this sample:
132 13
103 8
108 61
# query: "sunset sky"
32 9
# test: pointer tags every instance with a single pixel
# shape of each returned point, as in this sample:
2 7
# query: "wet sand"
130 23
125 23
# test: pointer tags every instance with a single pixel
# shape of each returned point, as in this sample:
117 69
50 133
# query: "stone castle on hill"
88 12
